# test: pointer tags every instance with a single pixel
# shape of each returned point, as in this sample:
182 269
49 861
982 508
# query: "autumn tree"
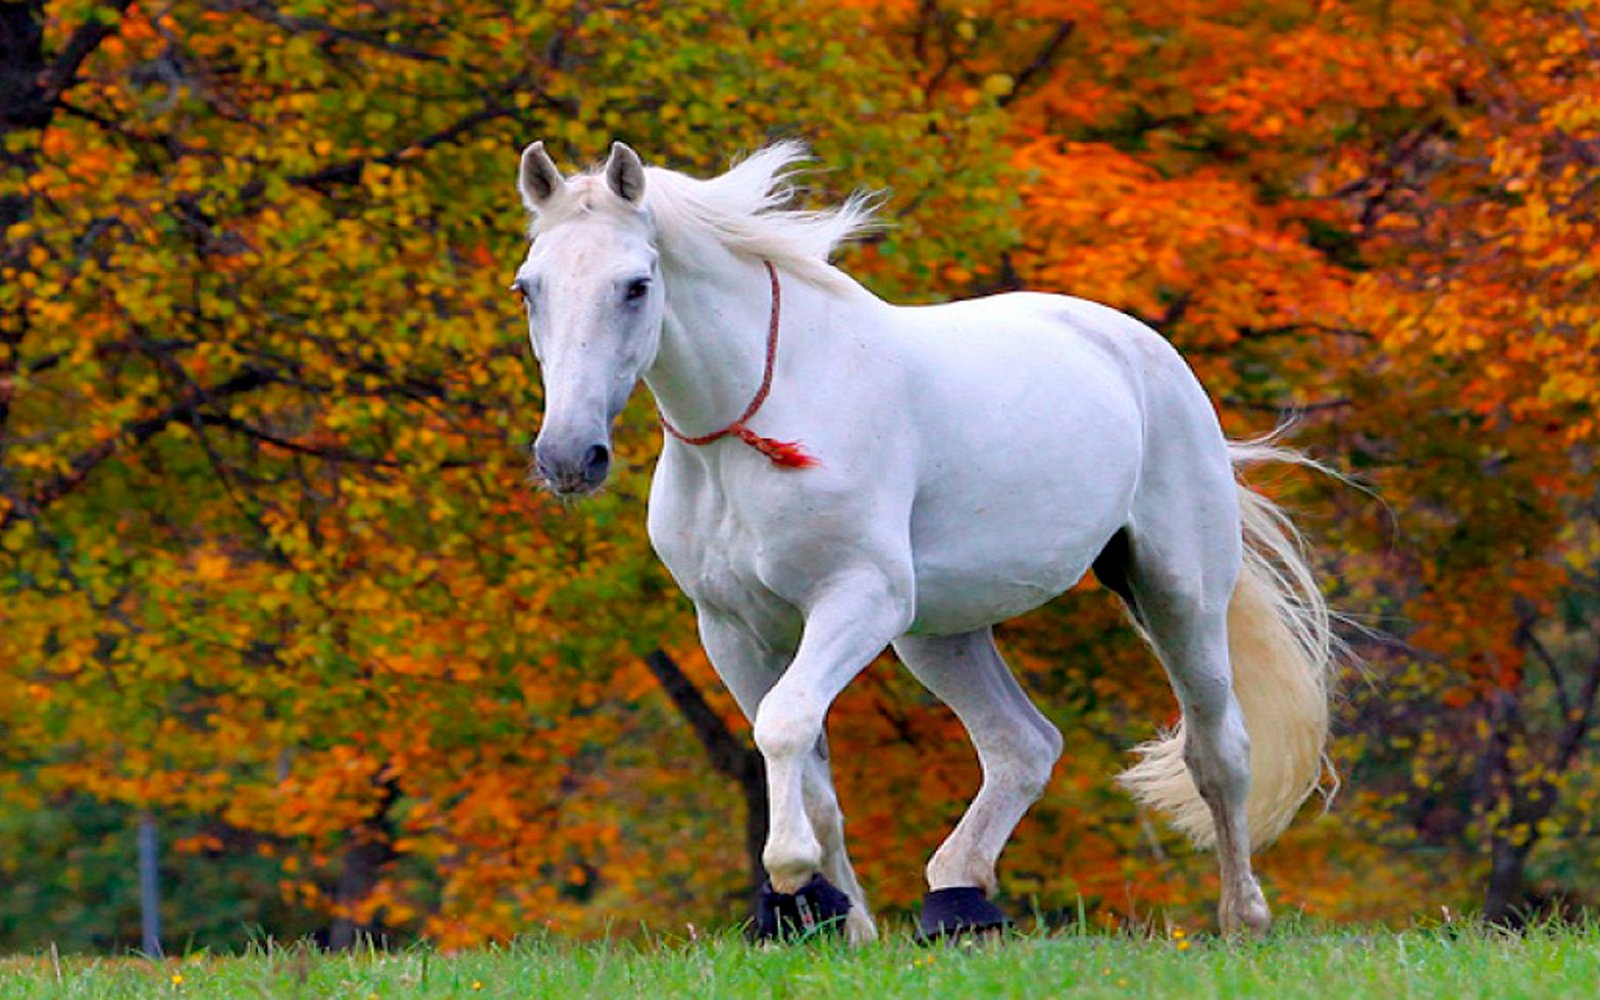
1379 221
270 571
1481 221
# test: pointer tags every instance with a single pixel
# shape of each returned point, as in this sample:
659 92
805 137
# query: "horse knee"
1051 743
1039 761
787 726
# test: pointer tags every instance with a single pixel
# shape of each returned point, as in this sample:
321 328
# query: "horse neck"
713 343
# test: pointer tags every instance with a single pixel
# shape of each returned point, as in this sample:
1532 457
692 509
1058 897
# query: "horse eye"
520 292
637 289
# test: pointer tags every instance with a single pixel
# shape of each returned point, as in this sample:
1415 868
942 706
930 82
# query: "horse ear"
538 180
625 173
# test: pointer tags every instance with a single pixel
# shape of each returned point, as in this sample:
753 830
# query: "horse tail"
1283 649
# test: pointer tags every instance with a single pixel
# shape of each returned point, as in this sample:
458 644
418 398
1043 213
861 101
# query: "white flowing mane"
746 210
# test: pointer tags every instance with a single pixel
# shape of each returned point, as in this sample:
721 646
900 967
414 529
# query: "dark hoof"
818 908
958 912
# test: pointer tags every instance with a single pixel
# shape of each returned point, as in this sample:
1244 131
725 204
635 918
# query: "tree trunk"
22 65
32 82
1505 893
149 886
369 853
358 876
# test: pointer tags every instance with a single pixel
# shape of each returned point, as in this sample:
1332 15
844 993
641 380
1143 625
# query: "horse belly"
1031 468
1005 559
1004 537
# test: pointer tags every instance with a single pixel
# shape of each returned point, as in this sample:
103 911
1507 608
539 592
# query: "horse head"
591 288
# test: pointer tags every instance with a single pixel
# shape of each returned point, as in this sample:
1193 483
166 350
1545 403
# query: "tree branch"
1563 698
134 432
328 452
266 11
1042 61
349 172
1311 407
728 754
1580 716
85 39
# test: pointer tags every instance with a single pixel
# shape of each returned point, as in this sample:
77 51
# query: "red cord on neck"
788 454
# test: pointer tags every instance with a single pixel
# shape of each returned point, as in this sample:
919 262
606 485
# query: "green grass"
1445 962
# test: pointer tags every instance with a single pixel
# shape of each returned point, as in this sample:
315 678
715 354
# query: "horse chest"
719 567
721 558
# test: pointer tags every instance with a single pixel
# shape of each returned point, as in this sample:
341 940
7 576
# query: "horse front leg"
847 624
749 668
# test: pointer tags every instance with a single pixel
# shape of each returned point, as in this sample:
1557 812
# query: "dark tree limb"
1580 716
1529 802
370 850
332 453
729 754
31 80
134 432
1526 637
349 172
1042 61
63 73
264 10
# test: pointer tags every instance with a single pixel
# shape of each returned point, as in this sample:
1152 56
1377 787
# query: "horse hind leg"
827 822
1180 599
1017 748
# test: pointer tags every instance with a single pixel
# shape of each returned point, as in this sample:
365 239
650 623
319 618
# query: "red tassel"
788 454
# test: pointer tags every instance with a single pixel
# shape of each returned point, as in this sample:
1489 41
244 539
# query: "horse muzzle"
572 469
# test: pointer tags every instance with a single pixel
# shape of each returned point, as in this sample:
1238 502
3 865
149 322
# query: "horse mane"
747 210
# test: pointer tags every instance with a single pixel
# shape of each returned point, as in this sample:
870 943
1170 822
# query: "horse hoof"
1245 914
962 911
1249 922
815 909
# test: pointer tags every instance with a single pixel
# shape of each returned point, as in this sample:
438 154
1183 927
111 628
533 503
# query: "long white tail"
1282 645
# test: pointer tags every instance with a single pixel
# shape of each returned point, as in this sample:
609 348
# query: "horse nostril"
542 467
596 463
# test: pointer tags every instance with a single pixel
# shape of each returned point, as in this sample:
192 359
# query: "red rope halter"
789 454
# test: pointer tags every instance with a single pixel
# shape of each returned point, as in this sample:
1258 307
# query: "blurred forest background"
287 641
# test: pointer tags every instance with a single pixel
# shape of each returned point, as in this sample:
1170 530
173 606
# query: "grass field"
1342 964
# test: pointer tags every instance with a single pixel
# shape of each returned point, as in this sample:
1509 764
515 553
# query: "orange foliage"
266 554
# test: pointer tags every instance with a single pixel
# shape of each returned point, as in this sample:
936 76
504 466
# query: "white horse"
946 468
